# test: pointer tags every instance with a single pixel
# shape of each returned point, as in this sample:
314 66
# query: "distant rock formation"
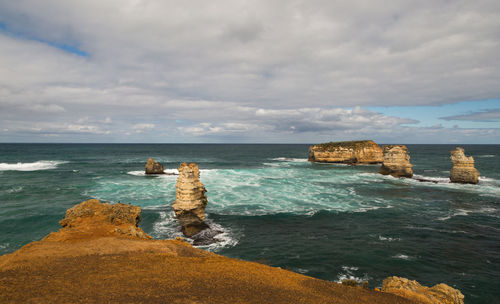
153 167
463 170
437 294
93 218
396 161
347 152
191 201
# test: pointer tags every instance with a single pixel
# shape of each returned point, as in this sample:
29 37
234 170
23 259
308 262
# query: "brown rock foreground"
101 256
437 294
347 152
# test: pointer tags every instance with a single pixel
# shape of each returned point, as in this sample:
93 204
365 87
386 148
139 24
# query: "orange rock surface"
437 294
347 152
101 256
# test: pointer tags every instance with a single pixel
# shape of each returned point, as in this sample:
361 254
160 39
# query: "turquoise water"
324 220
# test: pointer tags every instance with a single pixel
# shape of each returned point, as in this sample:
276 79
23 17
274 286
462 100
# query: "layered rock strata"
463 170
396 161
437 294
191 200
347 152
153 167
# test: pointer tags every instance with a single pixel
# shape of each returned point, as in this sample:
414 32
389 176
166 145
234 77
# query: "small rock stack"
463 170
191 200
396 161
153 167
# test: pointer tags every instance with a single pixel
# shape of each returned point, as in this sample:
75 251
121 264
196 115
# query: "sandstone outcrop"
347 152
190 202
153 167
396 161
89 260
100 219
437 294
463 170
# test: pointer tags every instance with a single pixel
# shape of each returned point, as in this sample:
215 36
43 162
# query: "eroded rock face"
191 200
463 170
153 167
437 294
396 161
93 218
347 152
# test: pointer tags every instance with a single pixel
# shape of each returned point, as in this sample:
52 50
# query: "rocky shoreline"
101 255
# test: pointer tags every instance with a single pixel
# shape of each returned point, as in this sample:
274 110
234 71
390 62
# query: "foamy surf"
167 227
349 273
35 166
289 159
401 256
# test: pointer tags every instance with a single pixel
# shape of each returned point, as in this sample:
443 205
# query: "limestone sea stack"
396 161
153 167
347 152
191 200
463 170
437 294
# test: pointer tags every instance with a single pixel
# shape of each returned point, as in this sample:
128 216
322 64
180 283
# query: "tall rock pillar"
191 200
396 161
463 170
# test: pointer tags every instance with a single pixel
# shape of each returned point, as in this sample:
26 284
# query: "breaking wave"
35 166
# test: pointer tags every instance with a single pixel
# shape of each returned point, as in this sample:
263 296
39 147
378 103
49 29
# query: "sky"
162 71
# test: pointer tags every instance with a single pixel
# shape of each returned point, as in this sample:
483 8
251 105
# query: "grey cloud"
490 115
256 69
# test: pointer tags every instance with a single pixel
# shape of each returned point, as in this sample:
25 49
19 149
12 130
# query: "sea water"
329 221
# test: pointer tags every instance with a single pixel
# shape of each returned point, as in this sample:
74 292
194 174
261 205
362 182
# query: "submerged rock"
347 152
153 167
437 294
463 170
191 200
396 161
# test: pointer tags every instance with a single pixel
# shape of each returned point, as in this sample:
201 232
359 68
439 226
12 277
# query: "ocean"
328 221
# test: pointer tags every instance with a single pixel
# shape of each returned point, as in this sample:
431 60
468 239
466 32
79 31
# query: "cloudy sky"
249 71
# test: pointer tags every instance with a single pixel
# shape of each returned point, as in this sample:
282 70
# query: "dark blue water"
324 220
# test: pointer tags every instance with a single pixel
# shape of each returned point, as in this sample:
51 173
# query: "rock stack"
347 152
396 161
153 167
191 201
437 294
463 170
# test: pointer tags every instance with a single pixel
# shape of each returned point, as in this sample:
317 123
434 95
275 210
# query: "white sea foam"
486 156
15 189
167 227
168 172
225 239
437 230
289 159
349 273
403 257
4 245
35 166
458 212
462 212
388 239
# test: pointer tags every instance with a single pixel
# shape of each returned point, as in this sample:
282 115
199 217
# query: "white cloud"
238 67
142 127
